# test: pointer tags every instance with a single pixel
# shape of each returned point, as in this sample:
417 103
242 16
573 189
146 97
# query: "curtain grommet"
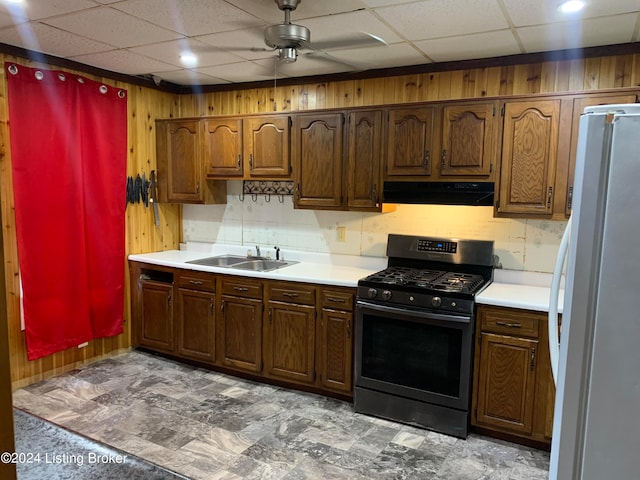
80 79
103 89
13 69
121 93
39 75
62 77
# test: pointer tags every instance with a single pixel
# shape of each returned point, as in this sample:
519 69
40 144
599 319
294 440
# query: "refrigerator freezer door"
597 416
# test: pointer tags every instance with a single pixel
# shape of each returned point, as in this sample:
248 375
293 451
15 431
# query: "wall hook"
267 197
281 198
254 197
241 197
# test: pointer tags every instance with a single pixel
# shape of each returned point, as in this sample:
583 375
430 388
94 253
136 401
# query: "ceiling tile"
45 39
269 11
396 55
346 25
240 42
123 61
545 11
591 32
110 26
241 72
190 17
479 45
37 9
169 52
189 77
443 18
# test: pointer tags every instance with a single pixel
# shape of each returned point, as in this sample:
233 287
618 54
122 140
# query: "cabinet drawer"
337 299
292 293
197 281
241 287
510 322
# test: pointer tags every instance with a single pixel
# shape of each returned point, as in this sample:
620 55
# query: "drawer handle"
509 324
335 300
241 289
290 294
195 282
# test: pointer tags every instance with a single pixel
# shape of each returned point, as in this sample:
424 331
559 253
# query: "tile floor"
206 425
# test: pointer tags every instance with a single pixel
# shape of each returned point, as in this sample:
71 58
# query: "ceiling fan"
287 38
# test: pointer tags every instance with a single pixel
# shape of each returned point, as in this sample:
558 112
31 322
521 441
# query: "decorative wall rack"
266 188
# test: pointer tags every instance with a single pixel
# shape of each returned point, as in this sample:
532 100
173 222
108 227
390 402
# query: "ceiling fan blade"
358 40
325 57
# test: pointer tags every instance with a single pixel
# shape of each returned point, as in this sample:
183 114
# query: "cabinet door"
468 139
156 316
240 338
223 147
266 146
506 384
178 149
579 104
529 152
410 141
318 153
289 342
363 166
196 325
336 350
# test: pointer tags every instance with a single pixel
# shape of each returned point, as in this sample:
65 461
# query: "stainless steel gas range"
414 332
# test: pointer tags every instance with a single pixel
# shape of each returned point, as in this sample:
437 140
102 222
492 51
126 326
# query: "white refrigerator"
596 431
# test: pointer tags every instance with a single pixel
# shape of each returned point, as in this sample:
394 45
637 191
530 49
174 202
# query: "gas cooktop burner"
428 279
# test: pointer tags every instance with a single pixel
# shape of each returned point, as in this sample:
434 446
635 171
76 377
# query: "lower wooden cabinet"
513 388
295 333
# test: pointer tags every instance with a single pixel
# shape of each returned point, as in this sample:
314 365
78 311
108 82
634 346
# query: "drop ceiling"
146 37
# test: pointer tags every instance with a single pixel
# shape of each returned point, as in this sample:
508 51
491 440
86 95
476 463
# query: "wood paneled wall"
144 106
599 73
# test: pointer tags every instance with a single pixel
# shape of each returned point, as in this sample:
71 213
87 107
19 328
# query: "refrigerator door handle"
554 347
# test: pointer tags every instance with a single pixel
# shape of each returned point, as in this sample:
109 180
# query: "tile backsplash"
521 244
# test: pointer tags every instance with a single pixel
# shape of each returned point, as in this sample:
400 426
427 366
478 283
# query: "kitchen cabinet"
289 333
318 156
513 387
153 309
529 155
363 161
196 316
579 104
469 139
179 152
410 141
336 340
248 147
240 326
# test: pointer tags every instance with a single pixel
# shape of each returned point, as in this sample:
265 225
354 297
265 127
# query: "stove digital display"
437 246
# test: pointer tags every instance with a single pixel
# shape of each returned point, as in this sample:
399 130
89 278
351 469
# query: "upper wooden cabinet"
579 104
179 151
223 147
410 136
363 162
529 155
249 147
469 137
318 155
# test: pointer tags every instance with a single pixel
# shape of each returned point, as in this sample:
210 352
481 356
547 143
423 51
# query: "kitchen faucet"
257 251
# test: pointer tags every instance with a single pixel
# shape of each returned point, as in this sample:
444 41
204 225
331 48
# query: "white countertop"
510 288
526 290
338 270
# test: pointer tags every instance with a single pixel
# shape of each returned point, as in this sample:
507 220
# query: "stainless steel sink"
256 264
219 261
261 265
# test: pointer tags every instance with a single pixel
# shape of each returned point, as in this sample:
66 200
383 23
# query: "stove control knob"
436 301
373 293
386 294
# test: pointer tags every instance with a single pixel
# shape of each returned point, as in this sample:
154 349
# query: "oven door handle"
416 313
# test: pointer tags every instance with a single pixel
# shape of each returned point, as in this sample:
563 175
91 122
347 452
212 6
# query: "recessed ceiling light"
188 59
571 6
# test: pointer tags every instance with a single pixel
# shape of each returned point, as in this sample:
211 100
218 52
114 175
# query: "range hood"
439 193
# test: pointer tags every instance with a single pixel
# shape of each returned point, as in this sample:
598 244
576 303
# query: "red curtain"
68 155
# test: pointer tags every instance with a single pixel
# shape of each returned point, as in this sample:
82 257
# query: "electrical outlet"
341 233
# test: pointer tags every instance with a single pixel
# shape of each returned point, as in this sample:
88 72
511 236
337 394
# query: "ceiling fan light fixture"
288 55
286 35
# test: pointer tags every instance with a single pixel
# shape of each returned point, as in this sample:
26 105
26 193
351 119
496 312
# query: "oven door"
417 354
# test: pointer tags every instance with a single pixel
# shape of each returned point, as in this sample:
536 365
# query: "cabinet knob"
426 163
251 161
444 158
239 160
